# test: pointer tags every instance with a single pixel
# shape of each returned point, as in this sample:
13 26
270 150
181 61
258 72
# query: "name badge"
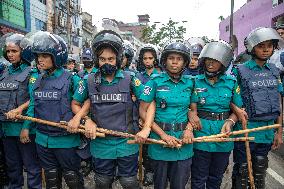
8 86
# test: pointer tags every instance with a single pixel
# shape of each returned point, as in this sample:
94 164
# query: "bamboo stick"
241 131
54 124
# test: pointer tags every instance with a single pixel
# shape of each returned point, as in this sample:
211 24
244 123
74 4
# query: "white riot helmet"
260 35
217 50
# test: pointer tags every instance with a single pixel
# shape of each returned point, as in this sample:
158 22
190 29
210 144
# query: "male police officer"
87 59
260 87
109 91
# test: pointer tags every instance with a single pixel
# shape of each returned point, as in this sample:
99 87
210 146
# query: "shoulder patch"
238 90
147 90
32 80
81 87
137 82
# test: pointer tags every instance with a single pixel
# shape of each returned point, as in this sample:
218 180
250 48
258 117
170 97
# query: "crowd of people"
193 91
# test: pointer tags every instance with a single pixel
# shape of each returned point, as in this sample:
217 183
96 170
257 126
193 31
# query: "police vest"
51 102
81 74
112 106
260 93
142 78
13 91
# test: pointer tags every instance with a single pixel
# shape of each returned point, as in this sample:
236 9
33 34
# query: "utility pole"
68 26
231 22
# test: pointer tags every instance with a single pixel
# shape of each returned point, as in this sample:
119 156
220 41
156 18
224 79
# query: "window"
276 3
40 25
227 28
42 1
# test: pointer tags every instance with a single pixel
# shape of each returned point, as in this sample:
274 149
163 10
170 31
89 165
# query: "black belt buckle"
218 116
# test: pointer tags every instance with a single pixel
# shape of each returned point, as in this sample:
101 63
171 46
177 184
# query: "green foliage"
171 31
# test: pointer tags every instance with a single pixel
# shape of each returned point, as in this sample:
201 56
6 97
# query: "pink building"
255 13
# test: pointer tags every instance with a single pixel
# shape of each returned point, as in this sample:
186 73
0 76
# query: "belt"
213 115
172 126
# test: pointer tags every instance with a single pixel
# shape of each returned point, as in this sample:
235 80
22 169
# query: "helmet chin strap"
213 74
176 76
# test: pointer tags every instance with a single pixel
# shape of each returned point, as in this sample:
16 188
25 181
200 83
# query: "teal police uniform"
67 141
23 154
261 146
165 92
265 136
110 147
215 98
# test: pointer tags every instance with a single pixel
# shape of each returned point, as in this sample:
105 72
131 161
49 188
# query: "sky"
201 16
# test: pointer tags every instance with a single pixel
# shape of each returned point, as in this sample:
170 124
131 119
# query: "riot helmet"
147 48
128 52
11 38
216 50
47 43
26 46
87 58
176 47
196 49
260 35
111 39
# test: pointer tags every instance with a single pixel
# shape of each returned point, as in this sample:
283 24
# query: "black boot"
53 179
260 164
73 180
240 181
148 179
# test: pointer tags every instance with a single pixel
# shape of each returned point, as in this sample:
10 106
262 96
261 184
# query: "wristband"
231 121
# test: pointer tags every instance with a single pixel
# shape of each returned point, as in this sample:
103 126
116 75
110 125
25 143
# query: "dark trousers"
147 161
239 153
176 172
208 169
65 159
18 155
125 166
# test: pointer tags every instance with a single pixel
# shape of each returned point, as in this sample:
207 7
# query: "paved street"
274 179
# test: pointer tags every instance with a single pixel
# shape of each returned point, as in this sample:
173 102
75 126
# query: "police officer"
128 55
109 92
71 64
213 93
193 68
260 87
51 100
171 118
19 140
87 59
147 62
279 51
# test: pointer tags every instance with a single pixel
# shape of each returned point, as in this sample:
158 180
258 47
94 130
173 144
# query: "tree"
171 31
221 18
206 39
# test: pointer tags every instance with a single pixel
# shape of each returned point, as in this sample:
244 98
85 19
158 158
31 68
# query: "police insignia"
81 87
137 82
32 80
147 90
238 90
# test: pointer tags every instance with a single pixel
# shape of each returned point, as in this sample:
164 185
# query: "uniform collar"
252 64
12 69
167 77
57 72
155 71
202 76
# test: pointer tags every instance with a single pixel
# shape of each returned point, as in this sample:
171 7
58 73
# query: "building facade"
15 16
255 13
88 29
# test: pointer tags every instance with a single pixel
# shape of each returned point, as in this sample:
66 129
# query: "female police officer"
213 93
109 91
260 87
19 142
51 100
171 118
